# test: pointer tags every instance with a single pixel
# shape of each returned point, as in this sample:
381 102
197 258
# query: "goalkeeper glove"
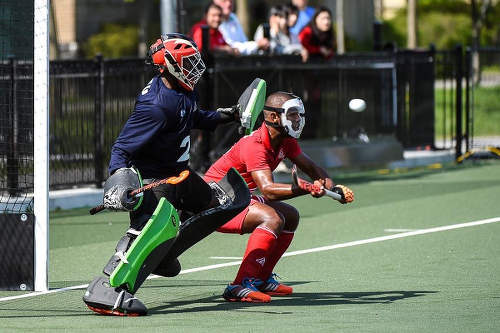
117 188
229 114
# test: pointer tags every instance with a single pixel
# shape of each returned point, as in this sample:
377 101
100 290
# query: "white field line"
398 230
226 258
293 253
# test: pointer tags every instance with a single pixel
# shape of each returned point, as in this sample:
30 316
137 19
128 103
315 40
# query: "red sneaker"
246 292
274 288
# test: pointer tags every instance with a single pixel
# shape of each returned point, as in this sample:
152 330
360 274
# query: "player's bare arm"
275 191
326 185
313 171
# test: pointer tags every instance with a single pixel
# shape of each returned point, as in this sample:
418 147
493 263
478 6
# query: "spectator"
233 32
317 36
280 39
292 12
213 18
305 14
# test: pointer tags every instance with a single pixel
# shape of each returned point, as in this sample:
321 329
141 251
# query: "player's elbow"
268 193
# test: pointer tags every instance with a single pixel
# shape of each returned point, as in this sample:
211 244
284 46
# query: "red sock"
282 244
260 244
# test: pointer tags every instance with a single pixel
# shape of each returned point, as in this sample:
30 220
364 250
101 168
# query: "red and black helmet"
179 55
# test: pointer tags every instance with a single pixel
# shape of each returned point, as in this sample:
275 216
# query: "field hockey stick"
304 184
135 193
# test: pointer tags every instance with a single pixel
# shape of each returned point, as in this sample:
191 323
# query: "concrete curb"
75 198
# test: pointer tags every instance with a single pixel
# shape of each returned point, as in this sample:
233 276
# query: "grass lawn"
486 111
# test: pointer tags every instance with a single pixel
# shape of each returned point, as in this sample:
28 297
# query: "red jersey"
216 38
251 153
305 37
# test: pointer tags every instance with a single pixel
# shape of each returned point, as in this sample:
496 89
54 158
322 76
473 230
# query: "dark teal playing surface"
347 274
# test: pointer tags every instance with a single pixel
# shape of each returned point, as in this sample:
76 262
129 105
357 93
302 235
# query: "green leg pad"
161 228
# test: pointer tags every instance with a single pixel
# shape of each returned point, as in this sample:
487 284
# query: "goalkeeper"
154 144
270 222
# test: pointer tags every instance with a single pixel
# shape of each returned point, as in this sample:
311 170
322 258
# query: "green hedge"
114 41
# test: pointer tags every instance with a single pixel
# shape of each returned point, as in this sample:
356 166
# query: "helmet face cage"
193 68
291 108
180 56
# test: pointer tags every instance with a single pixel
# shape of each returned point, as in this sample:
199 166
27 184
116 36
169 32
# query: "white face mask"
293 117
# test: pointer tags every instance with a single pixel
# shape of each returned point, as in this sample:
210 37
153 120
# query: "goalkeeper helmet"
292 115
179 55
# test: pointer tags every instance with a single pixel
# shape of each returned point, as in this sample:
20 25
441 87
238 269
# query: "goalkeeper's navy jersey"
155 138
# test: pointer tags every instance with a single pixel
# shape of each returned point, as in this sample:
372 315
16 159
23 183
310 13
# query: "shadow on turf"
152 284
216 303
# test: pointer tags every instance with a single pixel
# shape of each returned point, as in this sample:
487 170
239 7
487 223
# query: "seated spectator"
318 37
233 32
292 13
280 39
292 16
304 16
213 19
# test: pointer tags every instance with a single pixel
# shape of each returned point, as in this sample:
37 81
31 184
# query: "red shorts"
235 224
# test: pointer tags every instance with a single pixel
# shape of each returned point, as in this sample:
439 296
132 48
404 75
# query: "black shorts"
192 195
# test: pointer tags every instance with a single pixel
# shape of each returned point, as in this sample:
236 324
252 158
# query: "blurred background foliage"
113 41
443 23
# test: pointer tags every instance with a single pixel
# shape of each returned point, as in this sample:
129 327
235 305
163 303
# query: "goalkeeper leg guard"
233 195
137 255
100 297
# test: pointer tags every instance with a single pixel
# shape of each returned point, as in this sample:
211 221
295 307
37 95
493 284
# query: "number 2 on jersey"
186 142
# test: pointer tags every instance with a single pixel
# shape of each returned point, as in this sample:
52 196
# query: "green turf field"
439 281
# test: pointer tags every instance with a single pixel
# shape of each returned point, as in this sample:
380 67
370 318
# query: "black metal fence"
16 129
90 101
445 98
415 94
326 88
483 89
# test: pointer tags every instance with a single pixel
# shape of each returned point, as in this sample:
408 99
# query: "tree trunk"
53 35
412 24
146 6
478 17
340 26
379 9
243 15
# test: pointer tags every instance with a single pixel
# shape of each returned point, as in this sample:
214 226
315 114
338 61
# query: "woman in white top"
281 41
233 33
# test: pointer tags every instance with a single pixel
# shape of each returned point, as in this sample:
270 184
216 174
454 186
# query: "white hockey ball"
357 105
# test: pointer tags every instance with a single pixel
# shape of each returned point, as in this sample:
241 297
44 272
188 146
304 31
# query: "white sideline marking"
225 258
398 230
293 253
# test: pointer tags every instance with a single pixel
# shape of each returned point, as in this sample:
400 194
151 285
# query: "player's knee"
274 221
292 220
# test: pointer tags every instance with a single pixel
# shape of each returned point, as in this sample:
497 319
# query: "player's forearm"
277 191
315 172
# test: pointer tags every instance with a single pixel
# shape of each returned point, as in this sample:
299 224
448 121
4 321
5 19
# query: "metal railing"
483 78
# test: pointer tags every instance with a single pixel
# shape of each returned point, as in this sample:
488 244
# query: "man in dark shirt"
155 138
154 144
